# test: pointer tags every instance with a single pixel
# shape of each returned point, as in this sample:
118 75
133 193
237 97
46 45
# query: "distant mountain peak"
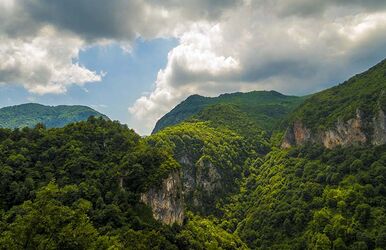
30 114
267 105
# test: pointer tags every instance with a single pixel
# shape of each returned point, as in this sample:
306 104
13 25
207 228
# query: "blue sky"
128 76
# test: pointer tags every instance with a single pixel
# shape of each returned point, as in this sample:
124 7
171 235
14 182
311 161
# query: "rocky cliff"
211 161
379 134
166 201
195 185
344 133
201 182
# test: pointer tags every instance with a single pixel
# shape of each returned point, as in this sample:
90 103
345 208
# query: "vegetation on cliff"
365 91
79 187
312 198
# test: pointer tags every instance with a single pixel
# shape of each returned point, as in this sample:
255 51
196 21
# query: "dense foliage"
77 185
231 117
265 108
203 233
28 115
312 198
207 154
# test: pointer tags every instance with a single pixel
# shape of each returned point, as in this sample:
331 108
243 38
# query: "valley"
257 170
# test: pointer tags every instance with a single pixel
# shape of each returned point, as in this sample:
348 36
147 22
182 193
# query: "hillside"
365 91
351 113
30 114
218 179
81 187
310 196
265 108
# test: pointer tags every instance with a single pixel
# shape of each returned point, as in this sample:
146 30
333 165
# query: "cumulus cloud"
288 46
43 64
293 46
194 66
41 39
319 7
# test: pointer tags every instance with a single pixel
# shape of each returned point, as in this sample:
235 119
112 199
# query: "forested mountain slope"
80 187
312 198
350 113
304 197
218 179
263 107
30 114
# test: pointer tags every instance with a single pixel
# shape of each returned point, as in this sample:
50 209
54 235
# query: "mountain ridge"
30 114
306 195
218 179
352 112
265 107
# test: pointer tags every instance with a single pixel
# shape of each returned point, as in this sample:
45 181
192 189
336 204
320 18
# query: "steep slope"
211 147
350 113
211 160
78 187
30 114
312 198
264 107
81 187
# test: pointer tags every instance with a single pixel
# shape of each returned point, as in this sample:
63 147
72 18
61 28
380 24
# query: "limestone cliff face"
379 135
201 180
297 134
352 132
166 201
195 185
346 133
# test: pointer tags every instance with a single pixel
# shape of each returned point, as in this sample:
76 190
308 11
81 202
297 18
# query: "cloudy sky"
134 60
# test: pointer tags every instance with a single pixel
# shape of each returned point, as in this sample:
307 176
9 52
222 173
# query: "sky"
134 60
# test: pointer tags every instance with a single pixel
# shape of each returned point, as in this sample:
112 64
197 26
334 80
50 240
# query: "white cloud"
257 47
43 63
294 46
41 39
194 63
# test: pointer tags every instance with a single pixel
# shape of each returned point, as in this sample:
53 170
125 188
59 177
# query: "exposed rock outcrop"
200 179
345 133
195 185
297 134
379 135
352 132
166 201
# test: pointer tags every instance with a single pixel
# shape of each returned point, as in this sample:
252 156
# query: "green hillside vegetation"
366 91
231 117
312 198
79 186
265 108
224 149
30 114
307 197
61 188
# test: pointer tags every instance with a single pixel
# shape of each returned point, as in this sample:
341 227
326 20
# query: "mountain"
350 113
307 195
230 174
30 114
264 107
